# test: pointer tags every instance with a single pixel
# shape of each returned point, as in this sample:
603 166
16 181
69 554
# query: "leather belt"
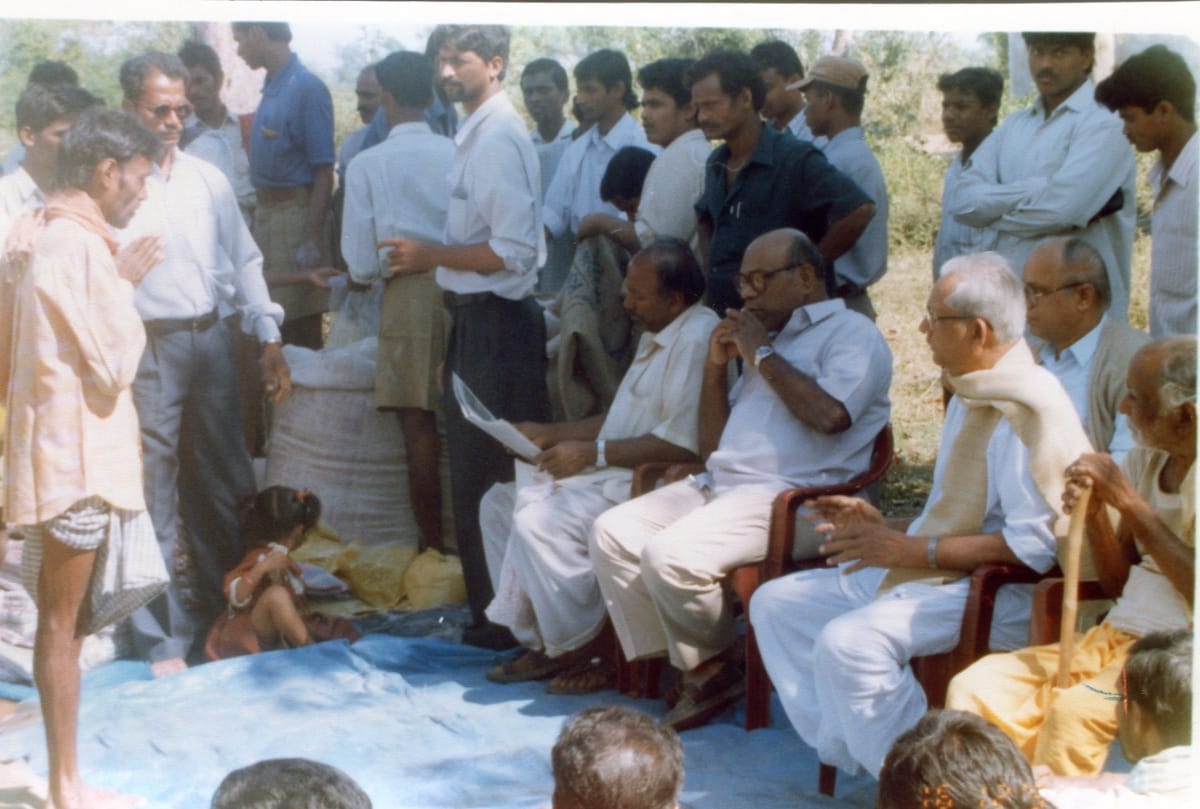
165 326
269 195
456 299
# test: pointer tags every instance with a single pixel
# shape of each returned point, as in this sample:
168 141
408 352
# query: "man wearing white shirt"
781 71
1057 168
812 397
834 90
186 394
44 114
536 536
1155 95
603 89
544 89
487 264
970 102
1066 299
212 132
837 642
49 73
398 189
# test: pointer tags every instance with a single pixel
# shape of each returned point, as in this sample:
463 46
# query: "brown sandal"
586 677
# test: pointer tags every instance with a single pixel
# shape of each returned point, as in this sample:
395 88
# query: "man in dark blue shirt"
760 180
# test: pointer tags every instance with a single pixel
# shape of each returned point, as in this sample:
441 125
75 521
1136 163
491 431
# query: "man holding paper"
535 535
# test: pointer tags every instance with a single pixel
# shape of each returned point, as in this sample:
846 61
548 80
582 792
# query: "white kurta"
536 537
661 559
839 656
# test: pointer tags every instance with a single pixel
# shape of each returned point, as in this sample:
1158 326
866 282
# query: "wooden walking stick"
1070 602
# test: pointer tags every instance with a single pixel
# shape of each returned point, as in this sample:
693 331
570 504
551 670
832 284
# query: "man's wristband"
931 552
601 461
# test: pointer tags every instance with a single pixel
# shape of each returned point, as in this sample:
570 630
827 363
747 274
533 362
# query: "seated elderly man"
806 410
837 642
1154 726
536 536
1147 564
1066 299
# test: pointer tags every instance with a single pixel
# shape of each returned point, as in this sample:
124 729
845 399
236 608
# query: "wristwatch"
761 353
600 460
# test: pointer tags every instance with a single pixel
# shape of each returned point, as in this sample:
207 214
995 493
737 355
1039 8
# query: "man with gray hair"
1067 298
837 643
1146 561
616 757
186 393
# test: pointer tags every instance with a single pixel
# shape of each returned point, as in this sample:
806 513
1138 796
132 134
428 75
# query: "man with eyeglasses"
1067 298
1056 167
186 392
1141 537
812 397
837 642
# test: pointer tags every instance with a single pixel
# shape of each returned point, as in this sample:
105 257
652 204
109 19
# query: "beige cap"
835 70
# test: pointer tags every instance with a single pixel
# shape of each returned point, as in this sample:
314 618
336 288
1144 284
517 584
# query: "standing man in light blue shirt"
1067 297
186 391
604 90
487 265
398 189
1061 167
545 91
781 71
970 103
834 90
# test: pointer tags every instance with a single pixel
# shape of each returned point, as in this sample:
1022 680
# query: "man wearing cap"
760 179
834 91
1060 167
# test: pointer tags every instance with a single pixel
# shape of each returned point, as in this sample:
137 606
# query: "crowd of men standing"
746 269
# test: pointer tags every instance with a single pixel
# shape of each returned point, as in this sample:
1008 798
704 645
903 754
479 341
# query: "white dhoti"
536 538
839 657
661 559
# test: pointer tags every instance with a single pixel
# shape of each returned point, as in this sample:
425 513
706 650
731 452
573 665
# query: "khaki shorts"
413 326
278 230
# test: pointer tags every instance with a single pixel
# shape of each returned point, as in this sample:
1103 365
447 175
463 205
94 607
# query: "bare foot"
165 668
87 797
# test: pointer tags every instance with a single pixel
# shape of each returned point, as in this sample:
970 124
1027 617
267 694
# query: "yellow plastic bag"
377 575
433 579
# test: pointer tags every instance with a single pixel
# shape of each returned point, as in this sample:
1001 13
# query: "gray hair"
1177 378
137 69
1083 264
988 288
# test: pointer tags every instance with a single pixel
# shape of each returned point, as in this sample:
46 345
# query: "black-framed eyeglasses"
1033 294
182 112
756 280
933 319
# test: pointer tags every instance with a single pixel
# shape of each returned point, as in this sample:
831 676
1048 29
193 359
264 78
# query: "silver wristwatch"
761 353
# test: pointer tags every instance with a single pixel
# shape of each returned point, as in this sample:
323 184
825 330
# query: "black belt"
456 299
165 326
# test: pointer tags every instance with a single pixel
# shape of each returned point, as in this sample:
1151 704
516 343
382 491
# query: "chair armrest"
986 581
647 475
1045 623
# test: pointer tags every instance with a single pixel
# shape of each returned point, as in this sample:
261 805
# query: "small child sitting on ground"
265 591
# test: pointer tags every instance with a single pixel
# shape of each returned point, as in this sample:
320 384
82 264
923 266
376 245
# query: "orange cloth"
233 634
70 343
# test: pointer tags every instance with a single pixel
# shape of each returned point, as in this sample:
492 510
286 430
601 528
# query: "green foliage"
914 180
370 46
95 48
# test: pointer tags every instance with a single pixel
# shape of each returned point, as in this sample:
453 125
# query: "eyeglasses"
933 319
756 280
1033 294
182 112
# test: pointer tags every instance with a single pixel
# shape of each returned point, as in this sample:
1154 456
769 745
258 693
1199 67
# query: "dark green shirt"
785 183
